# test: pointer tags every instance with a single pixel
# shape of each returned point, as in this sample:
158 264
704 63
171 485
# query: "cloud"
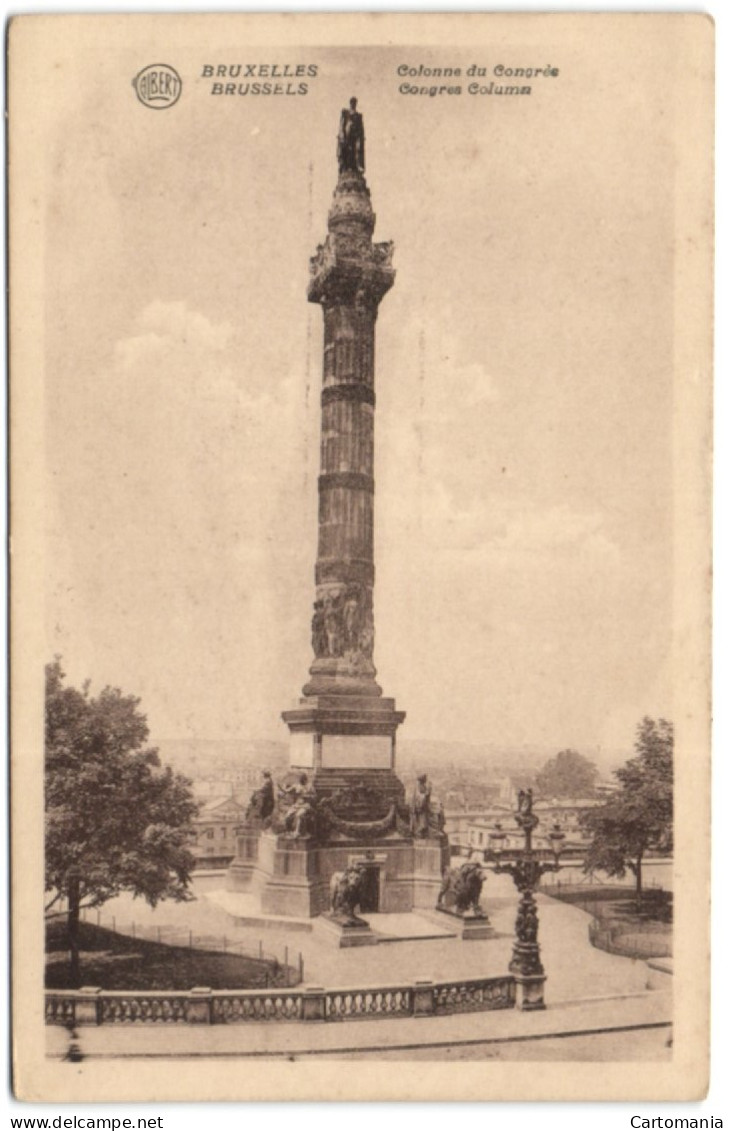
557 528
457 388
189 448
179 480
507 530
170 331
179 360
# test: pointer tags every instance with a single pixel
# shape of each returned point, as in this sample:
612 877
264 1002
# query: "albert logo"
158 86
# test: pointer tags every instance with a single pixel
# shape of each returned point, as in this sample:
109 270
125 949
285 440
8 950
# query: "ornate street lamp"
526 866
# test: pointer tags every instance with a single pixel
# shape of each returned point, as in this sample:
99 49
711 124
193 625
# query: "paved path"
587 992
645 1045
325 1038
575 969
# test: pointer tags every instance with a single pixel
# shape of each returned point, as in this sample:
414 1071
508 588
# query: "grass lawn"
117 962
617 925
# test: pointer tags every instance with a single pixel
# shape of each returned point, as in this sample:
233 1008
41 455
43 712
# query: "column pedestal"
340 740
293 877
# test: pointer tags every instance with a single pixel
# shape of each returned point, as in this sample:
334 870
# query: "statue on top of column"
350 145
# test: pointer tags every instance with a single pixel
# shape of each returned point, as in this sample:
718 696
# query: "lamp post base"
530 992
525 961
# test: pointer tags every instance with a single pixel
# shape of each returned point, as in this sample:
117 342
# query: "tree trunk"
638 886
72 927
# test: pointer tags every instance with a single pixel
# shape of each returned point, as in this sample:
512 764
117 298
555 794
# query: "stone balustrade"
371 1001
204 1006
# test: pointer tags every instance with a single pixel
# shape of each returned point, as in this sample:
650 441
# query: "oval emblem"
158 86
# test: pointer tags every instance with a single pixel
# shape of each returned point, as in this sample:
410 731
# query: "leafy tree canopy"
640 816
115 817
569 774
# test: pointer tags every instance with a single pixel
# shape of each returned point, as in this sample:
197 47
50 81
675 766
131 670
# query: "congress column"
347 807
343 721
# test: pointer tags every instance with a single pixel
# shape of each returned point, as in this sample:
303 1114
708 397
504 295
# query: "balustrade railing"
378 1001
122 1008
470 996
201 1005
234 1007
60 1010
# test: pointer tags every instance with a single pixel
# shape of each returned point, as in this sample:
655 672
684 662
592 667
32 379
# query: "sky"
524 375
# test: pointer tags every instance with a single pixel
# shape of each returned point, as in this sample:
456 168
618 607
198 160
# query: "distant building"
565 813
458 823
215 831
607 788
479 829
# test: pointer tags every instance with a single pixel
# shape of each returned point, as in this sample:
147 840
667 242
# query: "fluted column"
349 276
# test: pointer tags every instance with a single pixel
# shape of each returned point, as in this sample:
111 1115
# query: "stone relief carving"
359 811
361 829
360 802
342 625
324 257
382 254
319 636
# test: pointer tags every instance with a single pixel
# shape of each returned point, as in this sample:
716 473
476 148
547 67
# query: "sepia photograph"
360 428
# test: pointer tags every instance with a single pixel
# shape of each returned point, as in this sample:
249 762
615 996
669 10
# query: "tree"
116 820
569 774
640 816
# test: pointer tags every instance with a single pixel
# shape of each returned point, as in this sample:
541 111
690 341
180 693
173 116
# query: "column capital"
351 276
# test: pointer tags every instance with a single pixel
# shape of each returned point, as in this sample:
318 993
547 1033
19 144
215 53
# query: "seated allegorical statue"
299 816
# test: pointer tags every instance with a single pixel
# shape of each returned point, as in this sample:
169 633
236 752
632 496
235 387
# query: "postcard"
360 428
